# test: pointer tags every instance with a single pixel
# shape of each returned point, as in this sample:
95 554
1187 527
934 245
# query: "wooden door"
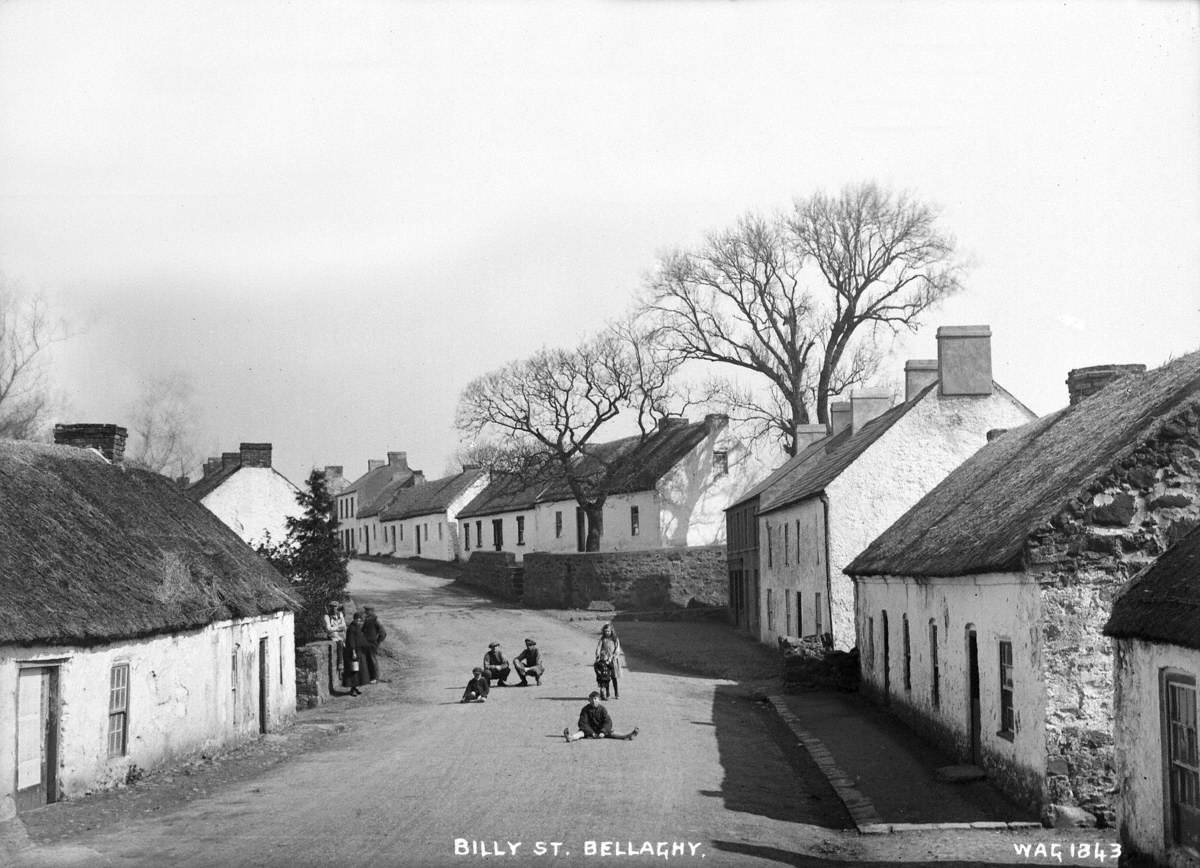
975 722
37 736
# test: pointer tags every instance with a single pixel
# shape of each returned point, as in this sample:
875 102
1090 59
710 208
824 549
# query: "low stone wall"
495 573
315 671
652 580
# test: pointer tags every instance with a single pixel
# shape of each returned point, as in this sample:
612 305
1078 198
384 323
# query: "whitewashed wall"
796 563
181 698
254 501
1139 746
997 606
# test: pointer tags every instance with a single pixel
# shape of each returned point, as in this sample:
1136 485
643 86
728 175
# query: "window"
770 612
634 526
871 641
393 536
479 534
720 463
118 710
797 544
426 531
520 530
466 536
1006 689
787 614
786 545
401 531
498 533
439 530
281 660
935 670
558 524
1180 756
770 558
817 614
799 614
907 653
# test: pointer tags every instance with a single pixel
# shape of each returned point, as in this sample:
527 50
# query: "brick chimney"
398 460
839 417
374 464
865 406
332 472
256 454
108 440
418 477
716 421
211 466
918 373
807 435
1083 382
965 360
230 459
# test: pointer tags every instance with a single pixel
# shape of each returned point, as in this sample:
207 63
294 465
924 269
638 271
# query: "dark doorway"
37 736
973 676
580 529
887 658
417 531
264 684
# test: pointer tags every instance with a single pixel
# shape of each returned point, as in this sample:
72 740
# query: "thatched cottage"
1156 624
422 520
248 494
979 612
134 625
793 533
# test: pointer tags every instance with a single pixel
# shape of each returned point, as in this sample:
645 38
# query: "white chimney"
807 435
965 360
865 406
918 373
839 417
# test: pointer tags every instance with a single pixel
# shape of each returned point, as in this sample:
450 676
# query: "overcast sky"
334 215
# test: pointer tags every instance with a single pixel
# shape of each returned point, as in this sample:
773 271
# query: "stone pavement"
885 774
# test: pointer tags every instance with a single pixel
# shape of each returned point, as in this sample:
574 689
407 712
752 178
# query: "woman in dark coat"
352 661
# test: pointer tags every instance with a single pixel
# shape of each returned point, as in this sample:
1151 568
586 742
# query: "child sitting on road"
594 722
478 687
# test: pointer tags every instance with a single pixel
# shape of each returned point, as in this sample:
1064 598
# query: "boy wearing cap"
477 687
594 722
529 662
495 664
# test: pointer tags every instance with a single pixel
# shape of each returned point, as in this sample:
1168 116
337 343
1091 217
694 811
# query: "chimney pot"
965 360
865 406
256 454
1084 382
918 373
839 417
108 440
807 435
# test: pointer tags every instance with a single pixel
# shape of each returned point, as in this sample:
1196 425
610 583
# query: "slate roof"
202 488
429 497
1162 603
92 552
979 518
783 472
633 464
368 508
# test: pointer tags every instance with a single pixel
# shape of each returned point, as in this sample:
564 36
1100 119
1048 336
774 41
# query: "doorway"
37 736
264 684
580 530
887 658
974 725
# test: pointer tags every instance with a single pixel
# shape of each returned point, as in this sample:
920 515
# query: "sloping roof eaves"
979 518
405 479
429 497
103 552
202 488
781 472
1162 604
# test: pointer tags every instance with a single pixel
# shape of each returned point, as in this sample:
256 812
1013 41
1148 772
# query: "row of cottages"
357 505
1156 624
791 535
422 521
248 494
134 626
979 612
665 490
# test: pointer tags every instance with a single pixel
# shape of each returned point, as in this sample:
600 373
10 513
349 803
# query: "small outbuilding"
134 625
1156 624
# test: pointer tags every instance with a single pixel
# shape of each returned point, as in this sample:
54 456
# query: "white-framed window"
720 463
520 530
118 710
1181 758
1007 722
558 524
634 521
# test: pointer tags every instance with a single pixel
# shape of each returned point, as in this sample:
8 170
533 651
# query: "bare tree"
804 298
163 422
538 419
26 330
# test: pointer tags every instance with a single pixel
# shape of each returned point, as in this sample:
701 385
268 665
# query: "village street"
423 780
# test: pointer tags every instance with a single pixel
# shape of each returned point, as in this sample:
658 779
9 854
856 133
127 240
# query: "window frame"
1008 715
118 708
1175 836
520 530
635 521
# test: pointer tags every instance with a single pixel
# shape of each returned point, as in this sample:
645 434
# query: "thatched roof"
430 497
1162 604
629 464
92 552
979 518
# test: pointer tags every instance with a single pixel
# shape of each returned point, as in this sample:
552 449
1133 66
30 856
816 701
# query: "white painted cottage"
979 612
248 494
422 521
357 505
134 625
1156 624
666 490
823 507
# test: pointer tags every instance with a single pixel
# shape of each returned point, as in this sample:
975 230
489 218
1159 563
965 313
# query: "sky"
333 216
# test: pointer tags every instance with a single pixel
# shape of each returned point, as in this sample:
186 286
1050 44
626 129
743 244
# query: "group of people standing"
355 644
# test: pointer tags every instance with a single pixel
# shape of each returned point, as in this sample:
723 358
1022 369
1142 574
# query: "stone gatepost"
315 673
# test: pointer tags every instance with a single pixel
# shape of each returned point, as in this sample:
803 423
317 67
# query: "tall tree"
540 418
803 299
311 556
163 423
26 330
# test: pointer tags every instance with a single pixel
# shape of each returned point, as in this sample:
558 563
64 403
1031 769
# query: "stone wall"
495 573
315 673
1081 558
653 580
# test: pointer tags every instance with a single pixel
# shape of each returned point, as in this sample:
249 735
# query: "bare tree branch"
163 425
26 330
